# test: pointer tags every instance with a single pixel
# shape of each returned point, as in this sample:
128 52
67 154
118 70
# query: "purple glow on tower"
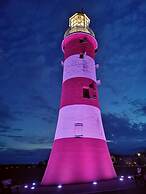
79 153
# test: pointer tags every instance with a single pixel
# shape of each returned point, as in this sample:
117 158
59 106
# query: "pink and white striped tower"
79 153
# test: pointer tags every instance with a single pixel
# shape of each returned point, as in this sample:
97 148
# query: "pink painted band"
78 160
73 44
79 121
73 92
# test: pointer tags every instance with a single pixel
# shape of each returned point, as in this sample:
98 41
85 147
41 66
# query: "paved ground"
121 185
127 186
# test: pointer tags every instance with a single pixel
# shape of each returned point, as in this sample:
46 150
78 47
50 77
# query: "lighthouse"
79 153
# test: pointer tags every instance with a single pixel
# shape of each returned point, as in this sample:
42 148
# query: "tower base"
78 160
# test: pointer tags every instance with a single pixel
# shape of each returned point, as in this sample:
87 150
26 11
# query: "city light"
94 183
32 188
25 186
139 154
59 186
121 178
33 183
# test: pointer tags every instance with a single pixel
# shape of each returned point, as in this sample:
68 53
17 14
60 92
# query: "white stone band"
79 121
74 66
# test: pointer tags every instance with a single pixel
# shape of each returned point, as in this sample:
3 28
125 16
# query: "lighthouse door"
78 129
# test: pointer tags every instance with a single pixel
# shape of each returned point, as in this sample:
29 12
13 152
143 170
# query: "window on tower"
81 55
84 40
78 129
86 93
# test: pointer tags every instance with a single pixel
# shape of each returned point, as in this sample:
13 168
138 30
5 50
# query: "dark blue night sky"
31 32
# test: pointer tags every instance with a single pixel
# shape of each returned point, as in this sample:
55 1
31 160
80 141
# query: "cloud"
142 110
4 128
128 136
17 129
10 156
43 109
35 140
2 145
121 49
41 102
138 106
6 115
